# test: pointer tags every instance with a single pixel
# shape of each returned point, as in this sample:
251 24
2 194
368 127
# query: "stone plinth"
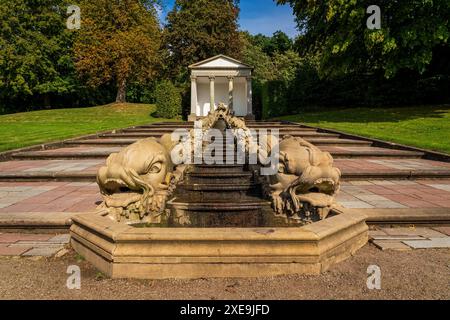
124 251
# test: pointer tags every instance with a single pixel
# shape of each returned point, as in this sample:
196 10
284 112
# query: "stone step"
100 153
370 152
218 206
219 192
125 142
304 134
346 174
149 130
319 142
184 123
283 130
218 168
60 155
48 176
219 178
416 216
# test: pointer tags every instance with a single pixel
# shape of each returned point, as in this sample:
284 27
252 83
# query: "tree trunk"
121 91
47 104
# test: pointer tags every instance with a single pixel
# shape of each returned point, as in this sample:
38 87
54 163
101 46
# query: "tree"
35 51
272 75
168 100
254 55
410 32
118 43
279 42
199 29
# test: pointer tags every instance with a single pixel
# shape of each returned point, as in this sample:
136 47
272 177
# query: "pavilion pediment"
219 62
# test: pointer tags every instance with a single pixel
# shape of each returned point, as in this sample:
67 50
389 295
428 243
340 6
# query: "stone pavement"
28 245
49 186
385 194
410 238
48 197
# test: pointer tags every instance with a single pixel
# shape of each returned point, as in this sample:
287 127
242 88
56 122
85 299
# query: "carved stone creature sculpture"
306 183
136 181
221 115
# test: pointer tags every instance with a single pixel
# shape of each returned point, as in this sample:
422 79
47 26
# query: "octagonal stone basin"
124 251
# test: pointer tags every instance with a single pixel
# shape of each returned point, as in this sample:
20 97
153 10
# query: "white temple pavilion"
221 79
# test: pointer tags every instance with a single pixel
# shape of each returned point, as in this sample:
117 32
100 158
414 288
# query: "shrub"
168 100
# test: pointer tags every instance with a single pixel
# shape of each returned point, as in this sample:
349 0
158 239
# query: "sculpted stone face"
135 180
306 182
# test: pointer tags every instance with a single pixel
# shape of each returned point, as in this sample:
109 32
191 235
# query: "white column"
211 93
230 92
249 96
194 100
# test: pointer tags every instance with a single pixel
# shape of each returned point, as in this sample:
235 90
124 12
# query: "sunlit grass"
30 128
421 126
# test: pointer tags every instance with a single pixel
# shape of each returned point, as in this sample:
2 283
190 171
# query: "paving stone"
445 187
61 253
62 238
79 184
388 204
396 238
377 233
423 232
44 251
391 245
361 183
382 182
35 244
429 244
443 230
14 237
12 251
356 205
371 197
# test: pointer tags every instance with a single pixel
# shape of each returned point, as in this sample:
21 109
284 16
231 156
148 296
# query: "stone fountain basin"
123 251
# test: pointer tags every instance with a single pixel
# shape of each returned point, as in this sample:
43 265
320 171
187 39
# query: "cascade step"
370 152
150 130
104 152
319 142
219 192
218 168
143 135
220 177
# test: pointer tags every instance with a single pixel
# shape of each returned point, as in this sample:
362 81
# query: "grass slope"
421 126
30 128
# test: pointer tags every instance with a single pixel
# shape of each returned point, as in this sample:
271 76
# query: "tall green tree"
118 43
336 29
35 52
199 29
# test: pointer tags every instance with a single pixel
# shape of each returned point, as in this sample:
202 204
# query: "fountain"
242 206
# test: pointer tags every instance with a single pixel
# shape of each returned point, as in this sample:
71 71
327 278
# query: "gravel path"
419 274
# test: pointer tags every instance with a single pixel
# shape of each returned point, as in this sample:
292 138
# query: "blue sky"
260 16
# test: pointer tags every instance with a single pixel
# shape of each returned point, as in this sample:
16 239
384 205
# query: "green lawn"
30 128
422 126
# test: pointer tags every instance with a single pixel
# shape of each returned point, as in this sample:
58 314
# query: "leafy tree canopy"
118 42
278 43
337 31
199 29
35 49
